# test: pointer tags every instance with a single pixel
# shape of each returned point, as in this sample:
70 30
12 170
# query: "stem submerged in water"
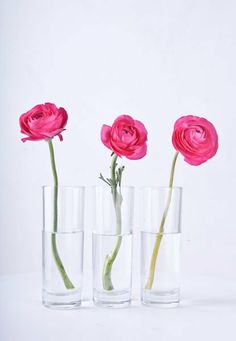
117 201
161 230
60 266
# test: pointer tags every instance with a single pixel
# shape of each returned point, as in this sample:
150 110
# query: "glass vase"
63 241
112 247
160 246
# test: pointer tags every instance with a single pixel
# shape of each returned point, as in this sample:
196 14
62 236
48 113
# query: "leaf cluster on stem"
116 174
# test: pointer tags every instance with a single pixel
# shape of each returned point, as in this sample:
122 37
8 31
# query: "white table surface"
207 312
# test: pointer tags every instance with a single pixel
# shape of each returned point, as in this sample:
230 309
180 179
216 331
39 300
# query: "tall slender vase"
63 243
112 246
160 245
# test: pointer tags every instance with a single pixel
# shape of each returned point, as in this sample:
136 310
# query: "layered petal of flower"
139 153
43 122
195 138
126 137
105 135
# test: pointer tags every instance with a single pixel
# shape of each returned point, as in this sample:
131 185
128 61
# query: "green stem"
60 266
110 258
55 178
161 229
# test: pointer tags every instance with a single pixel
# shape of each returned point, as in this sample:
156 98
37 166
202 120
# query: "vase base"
112 299
61 301
160 304
64 306
169 299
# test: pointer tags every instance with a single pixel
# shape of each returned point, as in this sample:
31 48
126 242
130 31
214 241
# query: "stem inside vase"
57 259
117 201
159 236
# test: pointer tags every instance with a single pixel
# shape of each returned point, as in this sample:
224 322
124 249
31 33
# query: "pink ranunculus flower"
195 138
126 137
43 122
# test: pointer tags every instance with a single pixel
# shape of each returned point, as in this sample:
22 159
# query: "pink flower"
126 137
43 122
195 138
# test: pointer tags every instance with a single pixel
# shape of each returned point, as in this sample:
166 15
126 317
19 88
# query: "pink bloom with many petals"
195 138
126 137
43 122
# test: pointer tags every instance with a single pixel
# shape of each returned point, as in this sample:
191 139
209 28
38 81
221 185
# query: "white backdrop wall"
157 60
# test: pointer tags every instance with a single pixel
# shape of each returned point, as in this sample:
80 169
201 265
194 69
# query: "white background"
156 60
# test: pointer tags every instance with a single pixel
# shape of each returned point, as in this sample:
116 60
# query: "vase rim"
158 233
161 187
104 186
63 187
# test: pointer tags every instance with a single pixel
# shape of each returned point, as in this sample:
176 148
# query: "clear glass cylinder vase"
112 246
160 245
63 242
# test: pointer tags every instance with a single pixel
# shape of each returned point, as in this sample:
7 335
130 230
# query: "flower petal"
138 153
105 135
